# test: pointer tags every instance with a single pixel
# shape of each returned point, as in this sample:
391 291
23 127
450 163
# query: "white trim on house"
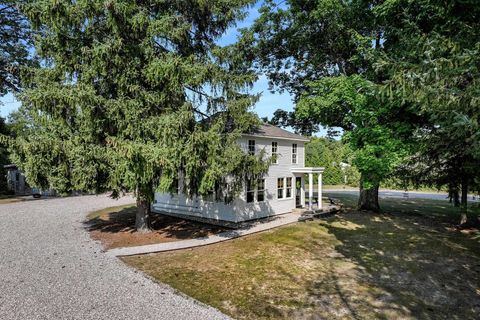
277 138
310 171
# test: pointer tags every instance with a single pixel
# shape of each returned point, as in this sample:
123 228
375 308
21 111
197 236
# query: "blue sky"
268 103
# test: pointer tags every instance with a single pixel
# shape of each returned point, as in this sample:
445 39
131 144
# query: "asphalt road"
405 195
51 269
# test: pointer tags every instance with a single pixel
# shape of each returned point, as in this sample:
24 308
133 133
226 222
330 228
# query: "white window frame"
250 189
262 191
294 153
288 187
275 152
249 147
281 194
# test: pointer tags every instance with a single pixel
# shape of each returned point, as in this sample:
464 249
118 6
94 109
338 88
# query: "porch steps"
327 211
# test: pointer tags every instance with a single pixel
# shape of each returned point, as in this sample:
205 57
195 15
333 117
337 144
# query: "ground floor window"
250 191
261 190
289 187
280 188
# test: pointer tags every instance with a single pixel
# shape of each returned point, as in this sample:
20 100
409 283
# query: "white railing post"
320 190
310 190
302 192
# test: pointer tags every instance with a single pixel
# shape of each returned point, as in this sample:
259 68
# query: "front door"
298 192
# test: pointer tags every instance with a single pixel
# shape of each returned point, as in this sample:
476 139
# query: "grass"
104 214
4 199
351 266
441 210
348 187
334 186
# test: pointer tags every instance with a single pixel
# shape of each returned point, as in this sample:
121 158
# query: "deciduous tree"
320 52
434 63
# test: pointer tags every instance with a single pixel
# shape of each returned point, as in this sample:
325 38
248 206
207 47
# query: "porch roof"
308 170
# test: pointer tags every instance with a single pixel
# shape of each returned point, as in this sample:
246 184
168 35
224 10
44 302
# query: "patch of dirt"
116 229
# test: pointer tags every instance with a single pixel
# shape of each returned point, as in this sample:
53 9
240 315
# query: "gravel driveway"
51 269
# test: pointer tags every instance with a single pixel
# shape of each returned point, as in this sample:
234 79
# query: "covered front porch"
302 199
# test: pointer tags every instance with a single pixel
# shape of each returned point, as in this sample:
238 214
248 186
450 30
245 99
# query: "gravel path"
51 269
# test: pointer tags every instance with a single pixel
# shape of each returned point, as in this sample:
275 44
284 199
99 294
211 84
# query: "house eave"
276 137
308 170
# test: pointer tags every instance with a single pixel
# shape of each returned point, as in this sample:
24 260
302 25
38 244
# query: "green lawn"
350 266
441 210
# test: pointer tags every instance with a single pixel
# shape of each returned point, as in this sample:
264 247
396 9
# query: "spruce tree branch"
9 84
203 94
201 113
6 8
162 48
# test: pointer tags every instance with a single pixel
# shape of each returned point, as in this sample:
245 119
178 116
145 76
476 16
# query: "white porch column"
302 192
294 191
310 190
320 191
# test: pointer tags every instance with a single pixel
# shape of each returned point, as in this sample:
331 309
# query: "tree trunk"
463 203
368 197
142 218
456 198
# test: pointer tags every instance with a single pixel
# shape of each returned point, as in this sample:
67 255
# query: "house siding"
239 210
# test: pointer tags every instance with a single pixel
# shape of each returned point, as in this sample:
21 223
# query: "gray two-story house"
280 191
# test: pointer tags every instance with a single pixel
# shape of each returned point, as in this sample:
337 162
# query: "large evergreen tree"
15 41
121 99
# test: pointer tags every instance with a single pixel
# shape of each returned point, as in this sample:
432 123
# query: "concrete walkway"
254 227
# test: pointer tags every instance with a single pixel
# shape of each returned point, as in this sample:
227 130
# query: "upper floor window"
294 153
274 152
280 188
251 147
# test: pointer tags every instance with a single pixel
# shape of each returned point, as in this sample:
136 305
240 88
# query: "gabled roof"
271 131
263 130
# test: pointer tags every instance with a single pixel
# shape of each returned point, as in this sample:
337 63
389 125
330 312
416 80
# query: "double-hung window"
289 187
294 153
261 190
250 191
251 147
280 188
274 152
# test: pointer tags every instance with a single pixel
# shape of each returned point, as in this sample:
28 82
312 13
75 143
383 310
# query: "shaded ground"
115 228
440 210
351 266
4 199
